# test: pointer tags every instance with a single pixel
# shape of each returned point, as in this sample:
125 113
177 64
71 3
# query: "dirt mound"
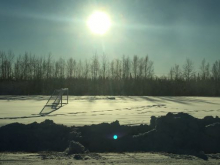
183 134
46 136
174 133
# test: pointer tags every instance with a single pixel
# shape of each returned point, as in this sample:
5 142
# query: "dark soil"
174 133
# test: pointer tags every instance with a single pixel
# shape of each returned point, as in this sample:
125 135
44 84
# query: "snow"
87 110
51 158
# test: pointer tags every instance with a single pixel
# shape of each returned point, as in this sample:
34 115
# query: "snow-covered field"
106 158
87 110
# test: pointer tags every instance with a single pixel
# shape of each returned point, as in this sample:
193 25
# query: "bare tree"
118 70
126 64
216 70
95 67
19 68
135 65
79 69
112 69
171 73
123 67
49 66
148 67
32 67
3 64
140 67
104 66
177 72
60 68
126 67
6 64
204 70
188 70
69 67
86 69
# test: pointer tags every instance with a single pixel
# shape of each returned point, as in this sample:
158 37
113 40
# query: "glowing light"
115 137
99 23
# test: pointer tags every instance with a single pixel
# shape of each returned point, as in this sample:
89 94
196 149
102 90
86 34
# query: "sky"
168 31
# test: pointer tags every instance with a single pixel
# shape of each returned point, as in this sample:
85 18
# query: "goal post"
59 98
64 91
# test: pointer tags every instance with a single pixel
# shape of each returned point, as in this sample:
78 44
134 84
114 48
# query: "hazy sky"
169 31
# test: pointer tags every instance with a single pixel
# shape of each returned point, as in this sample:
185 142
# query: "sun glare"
99 22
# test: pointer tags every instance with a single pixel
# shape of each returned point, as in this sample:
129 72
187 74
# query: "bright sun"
99 22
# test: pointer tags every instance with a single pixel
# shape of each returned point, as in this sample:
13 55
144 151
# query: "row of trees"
188 71
28 67
30 74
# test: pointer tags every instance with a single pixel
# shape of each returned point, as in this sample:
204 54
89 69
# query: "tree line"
30 74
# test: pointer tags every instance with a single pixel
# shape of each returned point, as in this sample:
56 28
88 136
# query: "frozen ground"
87 110
105 158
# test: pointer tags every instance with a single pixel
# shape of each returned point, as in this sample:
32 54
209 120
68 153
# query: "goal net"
56 101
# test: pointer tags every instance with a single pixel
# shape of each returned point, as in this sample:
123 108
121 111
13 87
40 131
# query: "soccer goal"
59 98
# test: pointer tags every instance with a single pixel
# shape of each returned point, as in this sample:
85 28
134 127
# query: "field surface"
87 110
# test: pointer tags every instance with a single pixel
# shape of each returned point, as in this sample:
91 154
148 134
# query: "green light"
115 137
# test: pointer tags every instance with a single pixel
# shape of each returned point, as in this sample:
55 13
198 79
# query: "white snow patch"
87 110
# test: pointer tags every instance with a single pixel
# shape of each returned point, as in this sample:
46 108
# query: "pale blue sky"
169 31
